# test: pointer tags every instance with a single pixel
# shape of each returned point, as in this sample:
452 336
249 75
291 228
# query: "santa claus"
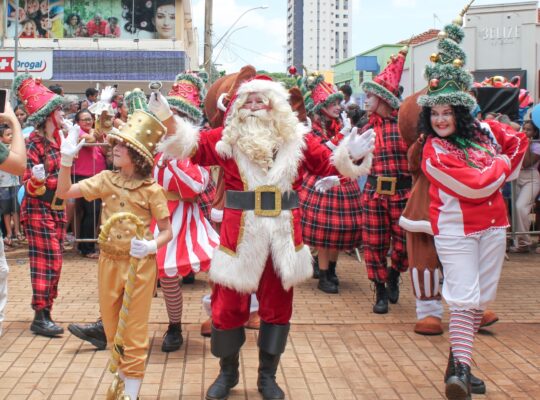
264 152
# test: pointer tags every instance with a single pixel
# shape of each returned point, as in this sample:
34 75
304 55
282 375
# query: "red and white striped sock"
172 293
462 334
478 315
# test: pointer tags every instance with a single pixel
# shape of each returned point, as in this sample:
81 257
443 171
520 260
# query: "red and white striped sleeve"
451 174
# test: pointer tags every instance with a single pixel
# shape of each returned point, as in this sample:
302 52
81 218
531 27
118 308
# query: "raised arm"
15 163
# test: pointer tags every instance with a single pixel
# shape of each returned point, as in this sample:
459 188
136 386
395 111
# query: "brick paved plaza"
337 349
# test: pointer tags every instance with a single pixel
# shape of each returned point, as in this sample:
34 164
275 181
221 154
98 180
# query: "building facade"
80 44
318 33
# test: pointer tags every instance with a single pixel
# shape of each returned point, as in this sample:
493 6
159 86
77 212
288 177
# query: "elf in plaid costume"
387 189
42 213
331 206
263 151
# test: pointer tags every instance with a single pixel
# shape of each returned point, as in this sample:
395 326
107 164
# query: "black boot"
477 385
226 345
392 286
325 284
458 385
272 341
332 273
93 333
189 279
44 326
381 299
315 265
173 338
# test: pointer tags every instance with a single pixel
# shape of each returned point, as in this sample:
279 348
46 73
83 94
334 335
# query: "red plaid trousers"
45 237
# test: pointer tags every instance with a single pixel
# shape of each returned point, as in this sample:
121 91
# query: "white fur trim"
420 226
262 85
220 104
216 215
263 237
224 149
182 143
346 167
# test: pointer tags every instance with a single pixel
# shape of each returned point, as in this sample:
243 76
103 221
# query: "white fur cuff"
216 215
182 143
345 165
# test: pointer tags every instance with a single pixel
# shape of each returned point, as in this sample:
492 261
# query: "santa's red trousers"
230 309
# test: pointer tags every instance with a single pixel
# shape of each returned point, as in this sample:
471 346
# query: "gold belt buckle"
57 204
258 201
384 179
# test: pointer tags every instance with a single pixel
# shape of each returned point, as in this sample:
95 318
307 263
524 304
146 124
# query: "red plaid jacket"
390 154
40 150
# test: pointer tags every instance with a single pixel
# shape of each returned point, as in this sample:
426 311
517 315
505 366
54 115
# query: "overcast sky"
259 37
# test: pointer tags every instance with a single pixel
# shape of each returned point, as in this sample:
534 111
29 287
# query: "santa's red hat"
386 84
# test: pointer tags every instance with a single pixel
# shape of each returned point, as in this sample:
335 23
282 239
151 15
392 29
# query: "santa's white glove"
159 105
107 94
140 248
328 182
347 126
70 146
38 172
360 146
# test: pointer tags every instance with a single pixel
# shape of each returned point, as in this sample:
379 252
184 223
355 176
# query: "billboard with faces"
124 19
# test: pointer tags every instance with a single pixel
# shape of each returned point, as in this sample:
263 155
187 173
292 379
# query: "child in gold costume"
129 189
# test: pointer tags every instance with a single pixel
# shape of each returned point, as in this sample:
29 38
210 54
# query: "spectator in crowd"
91 96
90 162
72 27
44 26
57 89
347 95
84 104
96 26
527 188
71 106
112 29
21 115
9 185
121 114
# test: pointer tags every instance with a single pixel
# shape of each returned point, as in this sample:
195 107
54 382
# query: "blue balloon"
535 115
20 194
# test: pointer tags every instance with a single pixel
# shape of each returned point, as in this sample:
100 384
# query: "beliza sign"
37 63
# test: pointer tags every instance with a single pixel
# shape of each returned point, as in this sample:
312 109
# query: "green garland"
457 98
455 32
18 80
449 72
193 112
329 100
39 116
382 92
450 49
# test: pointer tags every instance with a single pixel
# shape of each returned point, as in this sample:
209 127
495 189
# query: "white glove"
141 248
107 94
159 105
70 146
38 172
360 146
347 126
66 124
328 182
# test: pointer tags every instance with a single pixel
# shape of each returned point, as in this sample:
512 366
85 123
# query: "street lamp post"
208 45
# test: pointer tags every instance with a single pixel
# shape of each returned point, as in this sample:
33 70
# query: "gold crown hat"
143 131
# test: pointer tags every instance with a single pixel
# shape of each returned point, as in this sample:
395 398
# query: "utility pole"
208 37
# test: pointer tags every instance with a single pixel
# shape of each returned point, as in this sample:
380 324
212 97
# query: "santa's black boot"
226 345
272 341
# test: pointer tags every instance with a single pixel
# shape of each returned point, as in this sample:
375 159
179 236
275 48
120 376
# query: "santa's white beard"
256 136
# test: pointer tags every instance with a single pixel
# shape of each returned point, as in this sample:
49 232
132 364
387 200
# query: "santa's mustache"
262 115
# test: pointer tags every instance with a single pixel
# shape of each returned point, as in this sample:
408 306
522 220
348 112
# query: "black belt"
50 197
266 201
389 184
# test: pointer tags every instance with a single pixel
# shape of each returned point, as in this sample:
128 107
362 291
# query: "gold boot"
125 397
116 388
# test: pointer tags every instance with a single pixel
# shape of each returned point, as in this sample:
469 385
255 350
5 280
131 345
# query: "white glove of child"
107 94
360 146
347 126
38 172
159 105
70 146
328 182
141 248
